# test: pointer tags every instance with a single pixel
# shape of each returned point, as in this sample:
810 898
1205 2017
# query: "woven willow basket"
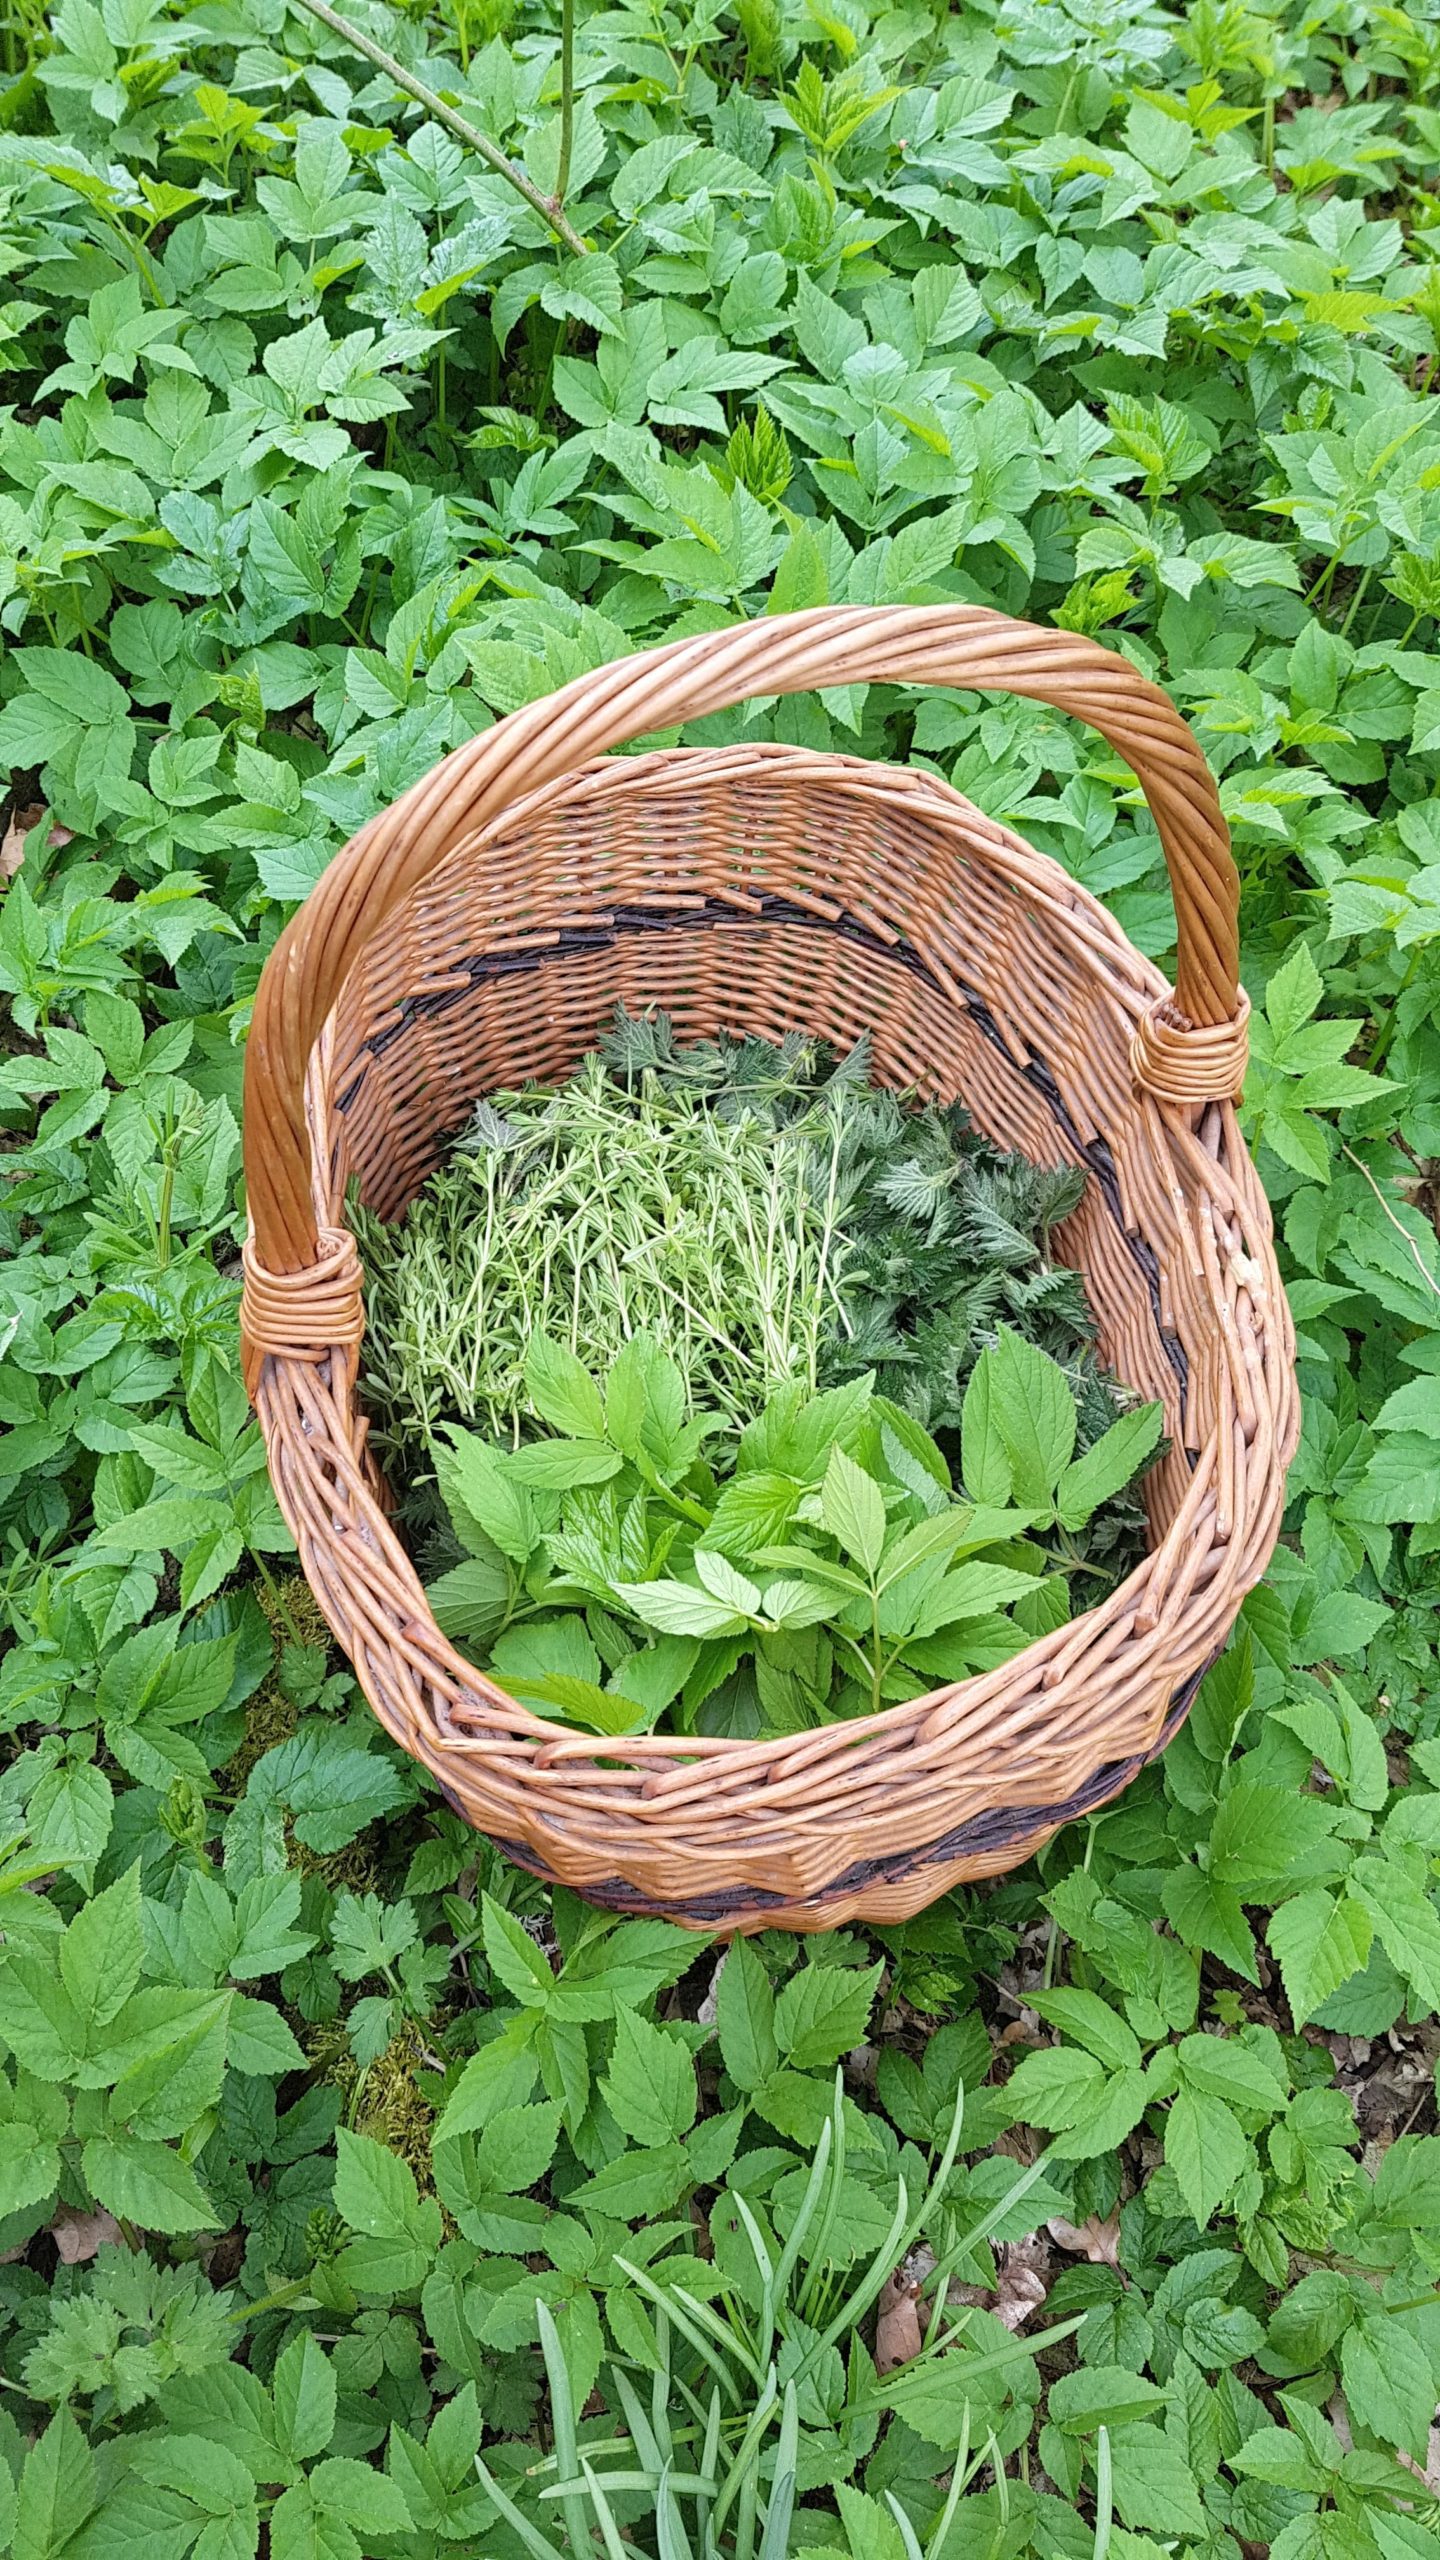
481 932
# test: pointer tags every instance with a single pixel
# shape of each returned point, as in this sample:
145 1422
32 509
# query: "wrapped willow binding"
481 933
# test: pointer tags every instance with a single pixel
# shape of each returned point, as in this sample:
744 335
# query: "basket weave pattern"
481 932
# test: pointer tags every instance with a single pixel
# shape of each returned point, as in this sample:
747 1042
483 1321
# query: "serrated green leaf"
1319 1939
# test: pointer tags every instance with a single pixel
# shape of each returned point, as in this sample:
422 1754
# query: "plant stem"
1355 602
1400 1230
547 207
163 1211
272 2301
1390 1024
1323 583
277 1595
567 100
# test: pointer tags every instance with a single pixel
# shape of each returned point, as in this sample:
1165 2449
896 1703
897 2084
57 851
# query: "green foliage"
336 2154
818 1565
761 1210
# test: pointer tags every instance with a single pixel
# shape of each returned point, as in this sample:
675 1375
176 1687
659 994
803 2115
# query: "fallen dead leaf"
1093 2239
1431 2472
897 2323
12 843
17 828
709 2009
1023 2268
80 2236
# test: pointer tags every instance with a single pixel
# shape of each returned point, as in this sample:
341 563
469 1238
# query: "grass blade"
538 2544
609 2530
640 2427
674 2541
904 2527
1104 2495
742 2469
776 2539
562 2426
959 2481
693 2319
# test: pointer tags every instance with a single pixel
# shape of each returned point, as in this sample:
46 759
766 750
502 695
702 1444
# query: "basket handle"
1188 1052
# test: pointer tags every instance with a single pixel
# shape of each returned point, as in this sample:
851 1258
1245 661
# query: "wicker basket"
481 932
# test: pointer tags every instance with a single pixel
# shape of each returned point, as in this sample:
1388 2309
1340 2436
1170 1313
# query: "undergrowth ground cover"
334 2154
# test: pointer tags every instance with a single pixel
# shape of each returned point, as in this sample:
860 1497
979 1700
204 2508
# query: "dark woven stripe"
1001 1827
485 967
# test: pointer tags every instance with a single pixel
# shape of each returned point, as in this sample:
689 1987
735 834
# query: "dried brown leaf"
1023 2269
17 828
897 2323
1093 2239
709 2009
79 2236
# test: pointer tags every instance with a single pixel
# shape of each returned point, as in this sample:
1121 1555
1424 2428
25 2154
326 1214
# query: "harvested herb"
942 1236
592 1213
764 1212
648 1560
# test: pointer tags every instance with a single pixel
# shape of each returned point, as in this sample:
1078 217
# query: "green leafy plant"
823 1566
320 448
761 1210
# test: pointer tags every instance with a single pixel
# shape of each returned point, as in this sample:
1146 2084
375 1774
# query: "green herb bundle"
593 1212
762 1211
646 1560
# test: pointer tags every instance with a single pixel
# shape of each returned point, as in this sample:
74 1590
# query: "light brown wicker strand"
762 888
963 646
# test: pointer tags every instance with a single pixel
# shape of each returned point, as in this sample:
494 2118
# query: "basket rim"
1050 1658
865 777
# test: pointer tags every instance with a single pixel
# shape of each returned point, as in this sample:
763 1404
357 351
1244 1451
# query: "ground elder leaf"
1320 1939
